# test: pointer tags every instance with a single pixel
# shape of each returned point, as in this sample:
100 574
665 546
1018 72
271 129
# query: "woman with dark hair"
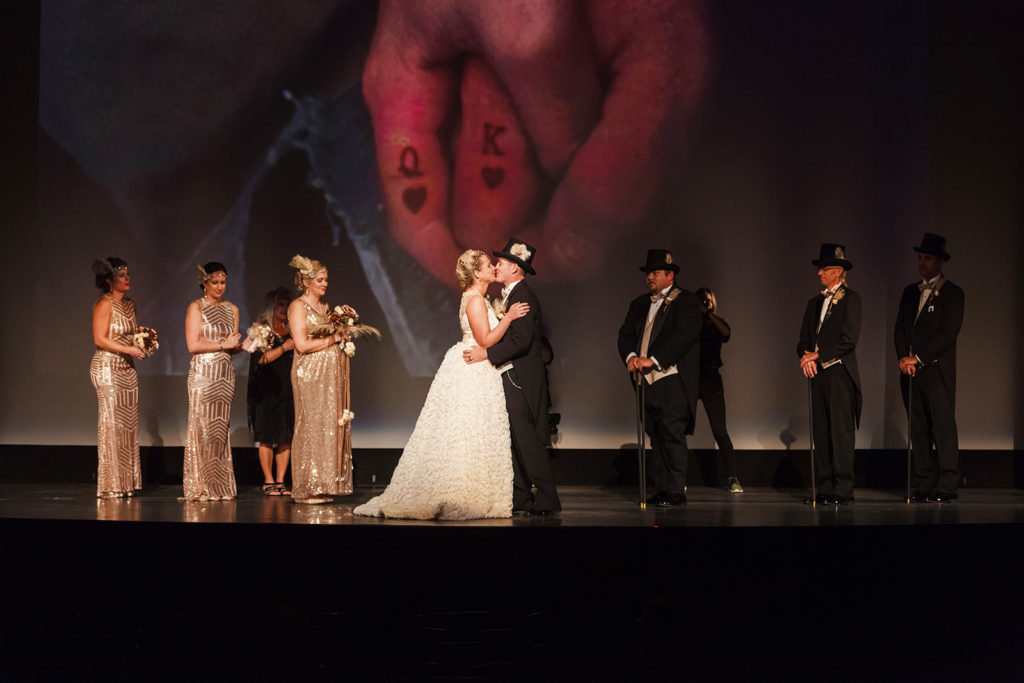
112 372
715 332
211 333
270 405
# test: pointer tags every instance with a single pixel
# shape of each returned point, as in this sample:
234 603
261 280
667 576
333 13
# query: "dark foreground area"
751 587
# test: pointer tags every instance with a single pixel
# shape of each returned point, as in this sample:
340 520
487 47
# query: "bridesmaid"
322 444
270 405
112 372
211 332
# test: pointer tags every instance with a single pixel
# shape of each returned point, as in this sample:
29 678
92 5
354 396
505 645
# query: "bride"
458 462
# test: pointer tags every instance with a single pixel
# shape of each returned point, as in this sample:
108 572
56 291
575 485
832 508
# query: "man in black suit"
927 325
660 342
828 358
518 357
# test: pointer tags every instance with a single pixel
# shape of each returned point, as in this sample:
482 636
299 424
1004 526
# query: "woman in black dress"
715 332
271 408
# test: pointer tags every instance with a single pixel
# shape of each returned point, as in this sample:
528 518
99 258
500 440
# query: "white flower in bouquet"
350 349
346 417
146 339
259 337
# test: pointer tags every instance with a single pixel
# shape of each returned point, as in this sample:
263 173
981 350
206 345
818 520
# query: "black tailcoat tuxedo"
835 391
932 338
526 399
670 402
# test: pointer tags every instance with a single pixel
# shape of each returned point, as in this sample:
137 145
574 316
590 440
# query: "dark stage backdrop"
740 135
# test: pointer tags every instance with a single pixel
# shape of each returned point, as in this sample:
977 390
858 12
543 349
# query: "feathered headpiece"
304 266
102 267
202 275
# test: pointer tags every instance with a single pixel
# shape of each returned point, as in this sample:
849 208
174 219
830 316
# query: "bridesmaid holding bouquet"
211 332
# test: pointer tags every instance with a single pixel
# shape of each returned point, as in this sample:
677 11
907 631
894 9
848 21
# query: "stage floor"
583 506
755 586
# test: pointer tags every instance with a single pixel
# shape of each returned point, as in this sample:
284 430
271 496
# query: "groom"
517 357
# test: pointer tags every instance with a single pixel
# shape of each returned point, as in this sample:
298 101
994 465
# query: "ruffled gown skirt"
458 461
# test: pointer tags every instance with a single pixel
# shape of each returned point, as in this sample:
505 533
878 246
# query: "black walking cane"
810 432
910 406
641 438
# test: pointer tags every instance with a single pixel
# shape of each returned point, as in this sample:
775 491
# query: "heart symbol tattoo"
492 176
415 198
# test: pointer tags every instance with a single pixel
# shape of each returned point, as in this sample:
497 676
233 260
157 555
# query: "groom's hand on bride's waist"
474 354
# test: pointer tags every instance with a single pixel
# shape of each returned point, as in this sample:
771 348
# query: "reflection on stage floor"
583 506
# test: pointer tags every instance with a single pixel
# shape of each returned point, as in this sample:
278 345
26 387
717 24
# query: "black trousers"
833 397
712 394
667 418
531 463
933 422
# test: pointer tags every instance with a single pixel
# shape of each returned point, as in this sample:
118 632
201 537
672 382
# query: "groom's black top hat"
933 244
519 253
659 259
832 255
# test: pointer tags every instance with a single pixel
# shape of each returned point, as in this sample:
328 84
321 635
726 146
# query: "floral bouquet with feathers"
146 339
259 337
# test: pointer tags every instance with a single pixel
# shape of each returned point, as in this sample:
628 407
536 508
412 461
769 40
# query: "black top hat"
519 253
832 255
659 259
933 244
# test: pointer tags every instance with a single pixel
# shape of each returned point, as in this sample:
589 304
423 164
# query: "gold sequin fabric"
321 448
209 474
117 390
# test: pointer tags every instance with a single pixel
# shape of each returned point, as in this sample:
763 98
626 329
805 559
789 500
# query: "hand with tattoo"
555 121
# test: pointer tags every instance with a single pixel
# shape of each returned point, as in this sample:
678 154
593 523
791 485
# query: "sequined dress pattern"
117 390
208 472
321 448
458 461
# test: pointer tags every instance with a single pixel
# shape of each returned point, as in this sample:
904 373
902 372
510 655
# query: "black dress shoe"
541 513
919 497
820 499
657 498
940 497
519 512
841 500
674 500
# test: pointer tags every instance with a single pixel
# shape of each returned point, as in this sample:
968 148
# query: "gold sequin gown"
117 389
209 474
321 448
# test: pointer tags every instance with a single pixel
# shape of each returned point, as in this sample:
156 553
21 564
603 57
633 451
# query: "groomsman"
660 339
827 351
927 325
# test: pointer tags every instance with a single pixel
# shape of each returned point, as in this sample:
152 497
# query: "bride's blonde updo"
469 263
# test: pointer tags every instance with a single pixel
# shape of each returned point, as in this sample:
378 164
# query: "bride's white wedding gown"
458 462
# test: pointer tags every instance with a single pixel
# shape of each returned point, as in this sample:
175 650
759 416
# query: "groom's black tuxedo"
670 402
526 400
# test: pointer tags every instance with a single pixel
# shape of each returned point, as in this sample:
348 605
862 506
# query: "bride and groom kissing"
479 446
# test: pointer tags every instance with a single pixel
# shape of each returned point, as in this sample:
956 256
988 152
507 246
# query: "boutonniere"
669 298
838 296
934 294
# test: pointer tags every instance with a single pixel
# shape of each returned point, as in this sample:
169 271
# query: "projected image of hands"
556 122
